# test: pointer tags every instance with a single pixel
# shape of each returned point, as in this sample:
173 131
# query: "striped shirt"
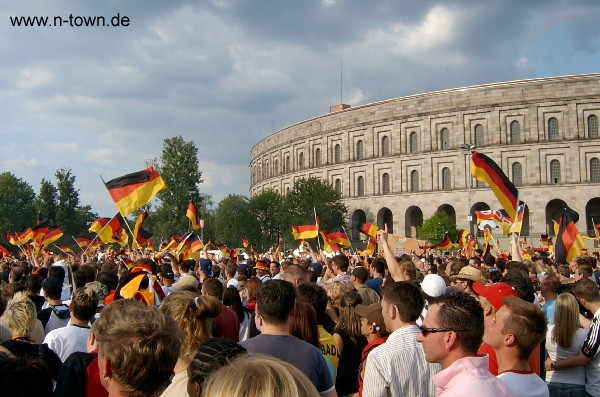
398 367
591 349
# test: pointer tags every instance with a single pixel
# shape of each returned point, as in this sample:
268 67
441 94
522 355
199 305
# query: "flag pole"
73 237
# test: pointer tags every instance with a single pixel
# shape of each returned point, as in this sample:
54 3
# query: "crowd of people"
150 324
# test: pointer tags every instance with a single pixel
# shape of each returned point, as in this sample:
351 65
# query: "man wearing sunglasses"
451 334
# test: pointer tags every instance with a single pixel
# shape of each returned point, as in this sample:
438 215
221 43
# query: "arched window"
360 186
553 129
337 153
287 164
385 146
268 170
275 167
338 186
555 171
413 142
446 183
264 171
414 181
287 190
301 161
317 157
444 139
385 183
517 174
515 132
592 126
595 170
479 140
360 150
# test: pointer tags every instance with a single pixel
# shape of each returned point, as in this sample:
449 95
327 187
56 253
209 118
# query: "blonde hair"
349 320
21 314
193 314
256 375
336 290
566 320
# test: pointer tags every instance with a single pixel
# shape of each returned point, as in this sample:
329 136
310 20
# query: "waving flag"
131 191
140 235
462 238
51 236
4 251
486 170
368 229
568 240
245 242
83 241
339 236
106 228
328 245
193 216
304 232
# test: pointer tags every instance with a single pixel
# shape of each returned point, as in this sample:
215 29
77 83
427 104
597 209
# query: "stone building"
399 161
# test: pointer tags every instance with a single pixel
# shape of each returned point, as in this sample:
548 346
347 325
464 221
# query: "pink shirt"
469 376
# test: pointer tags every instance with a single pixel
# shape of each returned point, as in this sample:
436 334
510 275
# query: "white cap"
433 285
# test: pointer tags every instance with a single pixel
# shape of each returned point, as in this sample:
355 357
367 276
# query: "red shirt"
373 344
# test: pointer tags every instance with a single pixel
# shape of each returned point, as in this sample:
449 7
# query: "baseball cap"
373 315
494 293
317 267
206 267
433 285
166 271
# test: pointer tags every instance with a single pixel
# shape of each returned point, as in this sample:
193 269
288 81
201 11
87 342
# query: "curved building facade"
398 161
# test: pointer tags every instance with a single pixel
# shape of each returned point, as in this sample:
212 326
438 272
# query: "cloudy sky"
224 73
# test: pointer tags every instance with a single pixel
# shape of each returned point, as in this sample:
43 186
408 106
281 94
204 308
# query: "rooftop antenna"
341 82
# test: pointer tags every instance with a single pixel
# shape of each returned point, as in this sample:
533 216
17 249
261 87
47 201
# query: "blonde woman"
193 314
255 375
335 291
564 339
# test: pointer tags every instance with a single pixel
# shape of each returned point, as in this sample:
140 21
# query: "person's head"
193 314
566 320
313 294
452 328
275 301
550 286
377 268
52 287
491 297
16 274
408 270
518 325
465 278
25 376
475 261
211 355
274 268
349 320
262 267
57 271
402 303
360 275
371 320
340 264
521 283
254 375
138 346
304 325
33 283
213 287
336 290
84 303
587 293
252 285
584 270
296 275
21 314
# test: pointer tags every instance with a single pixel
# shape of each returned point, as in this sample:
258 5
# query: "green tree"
68 201
47 201
16 204
232 220
307 195
264 208
434 228
178 166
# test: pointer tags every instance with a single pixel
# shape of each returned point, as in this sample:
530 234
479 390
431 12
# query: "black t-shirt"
23 349
346 381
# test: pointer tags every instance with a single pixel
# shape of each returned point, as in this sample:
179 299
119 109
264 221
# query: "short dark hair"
521 283
586 289
33 283
407 297
526 322
108 279
213 287
275 301
379 266
314 295
342 262
84 303
361 274
461 313
57 271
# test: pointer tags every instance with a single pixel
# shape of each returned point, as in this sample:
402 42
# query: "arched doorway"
554 210
449 210
473 229
358 216
592 215
413 220
385 217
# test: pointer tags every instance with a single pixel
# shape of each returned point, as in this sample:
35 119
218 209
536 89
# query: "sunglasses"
426 331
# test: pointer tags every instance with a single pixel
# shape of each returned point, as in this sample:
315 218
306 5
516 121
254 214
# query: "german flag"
445 244
371 247
131 191
368 229
568 240
51 236
140 235
518 221
233 255
339 236
150 247
39 230
193 216
83 241
278 246
328 245
486 170
245 242
67 250
120 237
106 228
462 238
196 245
4 251
304 232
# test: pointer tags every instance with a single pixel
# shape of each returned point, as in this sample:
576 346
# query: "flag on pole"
106 228
245 242
518 221
193 216
339 236
304 232
140 235
328 245
131 191
486 170
83 241
568 240
51 236
4 251
368 229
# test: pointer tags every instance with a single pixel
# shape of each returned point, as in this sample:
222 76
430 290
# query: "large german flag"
368 229
339 236
445 244
106 228
568 240
4 251
304 232
53 234
486 170
328 245
193 216
140 235
131 191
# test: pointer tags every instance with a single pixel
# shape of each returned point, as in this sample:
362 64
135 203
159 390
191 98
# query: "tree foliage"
435 227
17 209
232 220
67 201
47 201
265 208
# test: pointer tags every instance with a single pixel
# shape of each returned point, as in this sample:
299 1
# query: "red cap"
494 293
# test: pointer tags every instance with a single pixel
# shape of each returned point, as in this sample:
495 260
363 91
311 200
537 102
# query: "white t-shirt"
572 376
66 340
525 384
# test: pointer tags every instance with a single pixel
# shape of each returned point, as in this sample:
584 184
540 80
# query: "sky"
227 73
